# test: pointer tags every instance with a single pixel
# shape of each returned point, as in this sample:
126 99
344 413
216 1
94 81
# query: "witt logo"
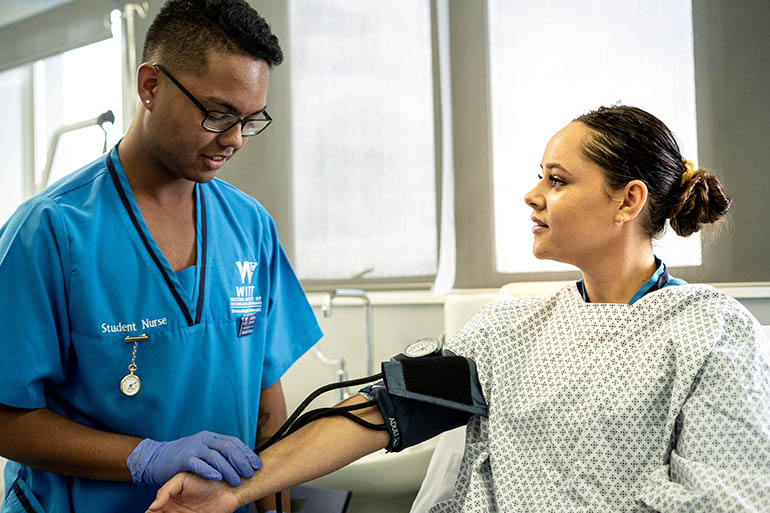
246 269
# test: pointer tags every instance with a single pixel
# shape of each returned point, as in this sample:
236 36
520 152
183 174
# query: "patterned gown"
663 405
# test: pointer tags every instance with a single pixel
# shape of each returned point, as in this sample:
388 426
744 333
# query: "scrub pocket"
20 499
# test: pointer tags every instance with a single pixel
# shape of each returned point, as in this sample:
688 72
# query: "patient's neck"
616 279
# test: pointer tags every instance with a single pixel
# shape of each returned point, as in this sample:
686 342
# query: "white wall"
344 336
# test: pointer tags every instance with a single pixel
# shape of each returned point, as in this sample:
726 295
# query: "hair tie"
689 170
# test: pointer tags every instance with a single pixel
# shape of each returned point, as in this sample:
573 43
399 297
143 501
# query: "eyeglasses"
217 121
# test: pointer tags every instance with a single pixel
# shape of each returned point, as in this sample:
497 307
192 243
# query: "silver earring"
147 101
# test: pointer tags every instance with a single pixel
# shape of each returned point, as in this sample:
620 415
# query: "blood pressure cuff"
422 397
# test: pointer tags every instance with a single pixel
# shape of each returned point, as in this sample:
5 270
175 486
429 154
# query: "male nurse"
148 309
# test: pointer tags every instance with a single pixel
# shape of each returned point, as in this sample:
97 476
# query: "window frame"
473 149
731 143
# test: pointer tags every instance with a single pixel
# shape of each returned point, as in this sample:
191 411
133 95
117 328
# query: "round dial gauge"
130 384
423 347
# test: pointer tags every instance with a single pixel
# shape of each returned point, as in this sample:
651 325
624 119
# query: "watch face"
423 347
130 384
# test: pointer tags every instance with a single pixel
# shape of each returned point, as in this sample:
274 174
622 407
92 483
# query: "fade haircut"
185 30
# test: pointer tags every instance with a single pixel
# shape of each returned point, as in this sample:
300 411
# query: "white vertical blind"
552 60
63 98
36 99
363 139
15 104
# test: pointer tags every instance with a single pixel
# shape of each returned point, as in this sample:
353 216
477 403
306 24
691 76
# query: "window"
72 87
551 61
363 150
41 97
316 146
16 106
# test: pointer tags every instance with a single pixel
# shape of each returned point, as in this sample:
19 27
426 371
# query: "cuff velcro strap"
449 381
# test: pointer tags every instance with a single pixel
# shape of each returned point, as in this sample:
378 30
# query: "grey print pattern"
663 405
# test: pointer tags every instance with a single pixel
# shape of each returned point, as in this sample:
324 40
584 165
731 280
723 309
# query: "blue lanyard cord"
659 279
159 265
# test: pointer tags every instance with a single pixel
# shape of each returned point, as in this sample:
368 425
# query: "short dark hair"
184 30
632 144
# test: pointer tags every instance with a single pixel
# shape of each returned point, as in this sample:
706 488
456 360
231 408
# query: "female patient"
626 391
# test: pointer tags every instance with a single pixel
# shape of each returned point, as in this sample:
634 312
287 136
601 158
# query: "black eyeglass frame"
207 112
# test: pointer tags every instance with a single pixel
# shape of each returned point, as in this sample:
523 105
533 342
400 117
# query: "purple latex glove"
207 454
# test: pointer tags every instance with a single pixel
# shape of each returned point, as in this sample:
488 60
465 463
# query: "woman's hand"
190 493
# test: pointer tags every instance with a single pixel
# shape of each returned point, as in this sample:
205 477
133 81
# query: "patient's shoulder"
510 311
700 297
706 309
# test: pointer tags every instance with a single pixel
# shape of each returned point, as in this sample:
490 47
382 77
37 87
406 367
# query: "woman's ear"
632 201
146 84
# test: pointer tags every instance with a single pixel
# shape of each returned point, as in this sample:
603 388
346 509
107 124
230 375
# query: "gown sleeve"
720 454
34 273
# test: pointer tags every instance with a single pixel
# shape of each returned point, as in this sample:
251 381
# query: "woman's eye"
556 182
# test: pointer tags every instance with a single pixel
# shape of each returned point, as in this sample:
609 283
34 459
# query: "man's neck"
166 203
148 180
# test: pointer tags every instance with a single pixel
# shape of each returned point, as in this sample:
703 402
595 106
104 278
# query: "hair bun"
701 200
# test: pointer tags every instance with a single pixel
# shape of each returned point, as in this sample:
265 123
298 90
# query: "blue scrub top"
80 272
659 279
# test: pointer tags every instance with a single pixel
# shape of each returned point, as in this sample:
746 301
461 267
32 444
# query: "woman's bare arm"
315 450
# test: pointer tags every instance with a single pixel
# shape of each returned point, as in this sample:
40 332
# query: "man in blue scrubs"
148 309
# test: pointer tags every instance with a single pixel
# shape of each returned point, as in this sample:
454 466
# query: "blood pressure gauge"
424 347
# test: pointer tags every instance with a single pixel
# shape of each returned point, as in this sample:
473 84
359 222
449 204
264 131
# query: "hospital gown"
663 405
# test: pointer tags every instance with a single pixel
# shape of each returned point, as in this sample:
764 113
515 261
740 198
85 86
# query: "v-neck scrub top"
80 272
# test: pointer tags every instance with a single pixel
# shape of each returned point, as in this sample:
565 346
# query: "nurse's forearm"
315 450
47 441
272 415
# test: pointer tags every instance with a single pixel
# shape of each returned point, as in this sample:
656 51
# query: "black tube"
332 386
289 427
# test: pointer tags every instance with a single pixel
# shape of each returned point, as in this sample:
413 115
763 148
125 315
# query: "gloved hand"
207 454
